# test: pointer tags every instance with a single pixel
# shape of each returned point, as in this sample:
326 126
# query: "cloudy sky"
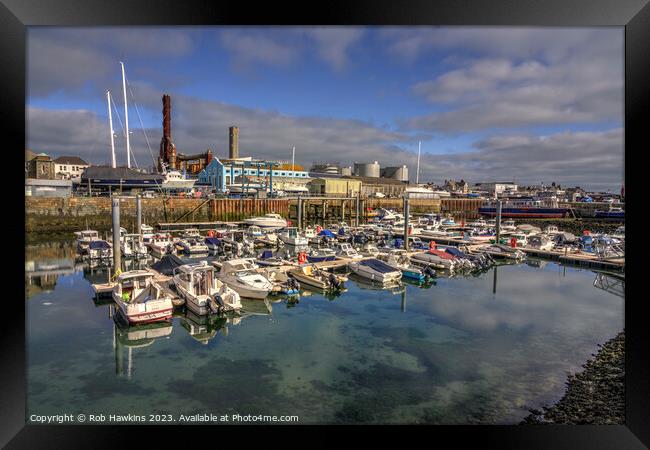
525 104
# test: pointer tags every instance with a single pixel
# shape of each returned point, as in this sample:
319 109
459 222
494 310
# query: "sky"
530 105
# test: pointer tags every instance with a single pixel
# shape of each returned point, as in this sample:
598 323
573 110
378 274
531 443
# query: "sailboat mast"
126 119
293 160
417 171
110 124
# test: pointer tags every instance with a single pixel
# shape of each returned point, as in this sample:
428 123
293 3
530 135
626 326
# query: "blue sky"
533 104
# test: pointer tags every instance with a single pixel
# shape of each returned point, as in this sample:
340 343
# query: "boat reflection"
612 283
364 283
41 275
126 338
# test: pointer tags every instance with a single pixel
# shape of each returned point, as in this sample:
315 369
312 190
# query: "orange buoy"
432 245
586 232
302 257
211 233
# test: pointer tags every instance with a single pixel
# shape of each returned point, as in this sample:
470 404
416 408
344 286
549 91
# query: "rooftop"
70 160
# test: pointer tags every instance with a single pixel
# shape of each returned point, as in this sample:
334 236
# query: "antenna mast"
126 119
417 171
110 124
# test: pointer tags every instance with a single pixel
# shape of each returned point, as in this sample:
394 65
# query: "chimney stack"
234 143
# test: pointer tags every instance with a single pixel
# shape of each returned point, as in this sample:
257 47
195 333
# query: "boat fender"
302 258
211 233
432 245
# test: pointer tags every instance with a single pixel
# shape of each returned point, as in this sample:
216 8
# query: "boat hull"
524 212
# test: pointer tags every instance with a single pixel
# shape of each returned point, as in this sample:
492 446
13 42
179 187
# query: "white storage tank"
367 169
400 173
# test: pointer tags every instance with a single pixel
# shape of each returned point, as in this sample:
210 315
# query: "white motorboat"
192 246
147 233
271 221
503 251
268 238
290 236
203 292
99 249
479 223
375 270
140 299
132 246
369 249
551 230
253 232
309 275
242 276
191 233
541 242
84 238
345 250
436 258
508 225
161 245
175 180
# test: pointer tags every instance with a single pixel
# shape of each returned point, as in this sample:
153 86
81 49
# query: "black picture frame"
634 15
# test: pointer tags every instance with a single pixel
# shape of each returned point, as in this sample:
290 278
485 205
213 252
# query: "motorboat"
282 283
242 276
84 238
376 270
369 249
399 259
140 299
203 292
161 245
290 236
147 233
504 251
345 250
437 258
448 222
528 230
269 221
310 233
269 238
508 225
191 233
192 246
267 259
253 232
99 249
479 223
173 179
619 233
214 244
519 239
308 275
551 230
321 254
540 242
132 246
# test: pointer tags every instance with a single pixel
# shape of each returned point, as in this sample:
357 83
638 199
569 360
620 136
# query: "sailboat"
417 191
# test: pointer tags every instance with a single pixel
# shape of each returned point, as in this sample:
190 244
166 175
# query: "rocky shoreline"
596 395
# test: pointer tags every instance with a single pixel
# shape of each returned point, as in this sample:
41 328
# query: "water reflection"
364 358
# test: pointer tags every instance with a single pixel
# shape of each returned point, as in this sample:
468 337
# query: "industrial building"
497 187
47 188
389 187
335 187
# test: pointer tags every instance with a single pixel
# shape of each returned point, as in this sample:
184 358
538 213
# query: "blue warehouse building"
221 174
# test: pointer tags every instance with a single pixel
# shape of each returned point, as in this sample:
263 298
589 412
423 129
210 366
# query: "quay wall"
58 214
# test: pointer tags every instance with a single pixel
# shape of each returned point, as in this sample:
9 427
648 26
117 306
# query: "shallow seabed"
453 352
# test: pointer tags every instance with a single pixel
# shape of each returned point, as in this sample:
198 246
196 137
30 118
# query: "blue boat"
322 254
613 213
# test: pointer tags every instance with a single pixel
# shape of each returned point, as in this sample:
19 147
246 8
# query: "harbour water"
465 350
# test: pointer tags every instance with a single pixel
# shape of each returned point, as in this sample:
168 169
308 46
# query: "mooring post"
117 257
323 214
138 213
498 221
406 222
299 213
357 204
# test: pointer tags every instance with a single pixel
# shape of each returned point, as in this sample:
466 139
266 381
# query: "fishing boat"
290 236
140 299
192 246
345 250
242 276
84 238
203 292
269 221
376 270
321 254
99 249
310 276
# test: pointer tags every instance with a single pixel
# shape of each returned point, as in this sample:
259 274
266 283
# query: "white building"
68 167
498 187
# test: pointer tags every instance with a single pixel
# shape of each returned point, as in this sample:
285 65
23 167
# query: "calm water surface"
451 353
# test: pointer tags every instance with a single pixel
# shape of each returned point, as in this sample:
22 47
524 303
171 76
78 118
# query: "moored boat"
140 299
203 292
376 270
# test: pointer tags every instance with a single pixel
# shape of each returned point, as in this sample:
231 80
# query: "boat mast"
110 124
293 159
417 171
126 119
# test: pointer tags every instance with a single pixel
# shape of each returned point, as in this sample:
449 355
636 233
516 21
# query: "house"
40 167
69 167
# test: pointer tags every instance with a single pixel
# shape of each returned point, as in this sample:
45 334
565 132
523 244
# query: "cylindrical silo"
367 169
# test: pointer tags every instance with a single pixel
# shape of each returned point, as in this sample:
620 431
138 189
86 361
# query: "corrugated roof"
107 172
374 180
70 160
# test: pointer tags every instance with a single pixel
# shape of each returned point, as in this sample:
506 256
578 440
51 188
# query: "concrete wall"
50 214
